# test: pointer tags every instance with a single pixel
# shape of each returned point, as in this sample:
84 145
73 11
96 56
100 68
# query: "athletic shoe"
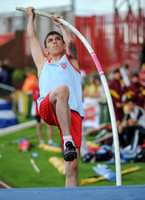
41 142
70 152
53 144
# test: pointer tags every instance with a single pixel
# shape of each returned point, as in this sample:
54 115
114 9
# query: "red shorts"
47 114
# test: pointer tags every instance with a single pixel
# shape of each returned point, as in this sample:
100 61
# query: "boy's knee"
63 91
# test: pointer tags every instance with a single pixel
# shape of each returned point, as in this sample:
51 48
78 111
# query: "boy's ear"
45 52
65 48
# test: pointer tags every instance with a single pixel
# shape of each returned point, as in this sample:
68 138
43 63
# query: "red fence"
6 37
114 38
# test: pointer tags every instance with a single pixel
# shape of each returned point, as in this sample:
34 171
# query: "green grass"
15 167
22 119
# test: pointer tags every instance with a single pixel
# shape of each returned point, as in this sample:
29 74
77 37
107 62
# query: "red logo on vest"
63 65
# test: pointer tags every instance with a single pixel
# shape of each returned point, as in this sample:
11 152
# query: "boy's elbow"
71 43
31 36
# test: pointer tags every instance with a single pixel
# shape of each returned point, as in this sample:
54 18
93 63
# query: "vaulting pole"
105 85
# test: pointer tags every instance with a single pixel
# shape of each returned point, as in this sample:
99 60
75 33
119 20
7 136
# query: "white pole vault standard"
105 85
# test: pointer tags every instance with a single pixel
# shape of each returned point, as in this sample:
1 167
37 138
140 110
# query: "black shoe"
70 152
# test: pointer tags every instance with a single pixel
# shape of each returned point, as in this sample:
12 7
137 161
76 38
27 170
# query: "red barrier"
6 37
114 38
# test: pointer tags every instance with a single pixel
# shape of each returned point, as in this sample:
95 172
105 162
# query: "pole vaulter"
105 85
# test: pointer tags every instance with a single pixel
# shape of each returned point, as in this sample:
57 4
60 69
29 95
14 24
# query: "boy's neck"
56 58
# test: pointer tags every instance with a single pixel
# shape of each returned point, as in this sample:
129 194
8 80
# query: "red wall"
14 50
115 38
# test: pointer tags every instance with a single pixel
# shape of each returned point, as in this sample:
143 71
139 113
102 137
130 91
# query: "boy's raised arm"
68 38
35 46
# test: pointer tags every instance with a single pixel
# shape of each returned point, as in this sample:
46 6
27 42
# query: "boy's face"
54 44
135 79
117 76
91 80
131 106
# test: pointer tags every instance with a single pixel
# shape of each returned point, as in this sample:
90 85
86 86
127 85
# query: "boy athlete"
60 101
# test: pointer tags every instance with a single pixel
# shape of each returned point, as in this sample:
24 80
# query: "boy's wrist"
31 17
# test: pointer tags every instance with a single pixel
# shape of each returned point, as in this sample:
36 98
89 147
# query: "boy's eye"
50 40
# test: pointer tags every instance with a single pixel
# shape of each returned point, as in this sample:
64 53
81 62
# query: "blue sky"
82 7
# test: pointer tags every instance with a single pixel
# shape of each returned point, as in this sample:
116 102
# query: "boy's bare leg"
50 136
49 132
59 101
40 135
72 172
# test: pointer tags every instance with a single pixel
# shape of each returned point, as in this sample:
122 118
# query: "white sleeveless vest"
61 73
